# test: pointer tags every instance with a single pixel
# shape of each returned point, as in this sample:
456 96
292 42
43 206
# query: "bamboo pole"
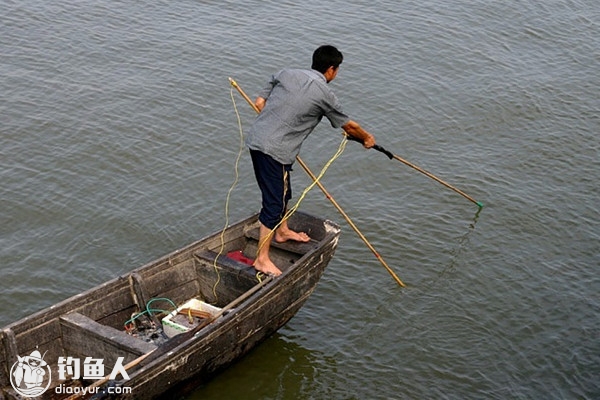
326 193
435 178
421 170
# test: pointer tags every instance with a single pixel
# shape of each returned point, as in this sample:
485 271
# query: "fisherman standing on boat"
291 106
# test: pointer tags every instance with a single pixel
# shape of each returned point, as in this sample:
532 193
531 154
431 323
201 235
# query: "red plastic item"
237 255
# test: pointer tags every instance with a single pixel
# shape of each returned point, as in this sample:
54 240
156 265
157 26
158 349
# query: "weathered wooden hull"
89 324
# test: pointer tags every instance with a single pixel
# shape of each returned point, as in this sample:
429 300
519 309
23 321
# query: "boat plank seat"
83 335
227 263
289 246
232 274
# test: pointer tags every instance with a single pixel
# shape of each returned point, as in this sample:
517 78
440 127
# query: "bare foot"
266 267
283 235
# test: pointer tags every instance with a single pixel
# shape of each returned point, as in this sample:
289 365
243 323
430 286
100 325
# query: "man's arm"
354 129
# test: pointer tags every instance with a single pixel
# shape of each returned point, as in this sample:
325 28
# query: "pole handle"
376 147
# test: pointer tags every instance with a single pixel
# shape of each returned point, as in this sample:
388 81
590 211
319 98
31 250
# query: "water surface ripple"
119 136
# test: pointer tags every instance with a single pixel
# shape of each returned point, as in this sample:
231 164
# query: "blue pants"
273 179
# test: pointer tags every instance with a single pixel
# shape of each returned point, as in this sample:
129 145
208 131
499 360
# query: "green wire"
151 310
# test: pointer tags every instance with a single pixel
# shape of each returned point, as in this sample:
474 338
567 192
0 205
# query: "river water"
118 144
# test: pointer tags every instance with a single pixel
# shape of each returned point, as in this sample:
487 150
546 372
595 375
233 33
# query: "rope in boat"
292 210
288 213
326 193
235 181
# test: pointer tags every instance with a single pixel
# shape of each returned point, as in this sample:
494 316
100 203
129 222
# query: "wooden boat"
118 322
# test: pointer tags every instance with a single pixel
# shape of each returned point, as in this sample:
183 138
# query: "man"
291 106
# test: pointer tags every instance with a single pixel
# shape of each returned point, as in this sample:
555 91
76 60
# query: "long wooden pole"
421 170
331 199
435 178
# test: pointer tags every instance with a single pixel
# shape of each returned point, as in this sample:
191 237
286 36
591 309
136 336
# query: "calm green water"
119 136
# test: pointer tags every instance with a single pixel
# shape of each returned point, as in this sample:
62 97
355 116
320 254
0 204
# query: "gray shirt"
297 100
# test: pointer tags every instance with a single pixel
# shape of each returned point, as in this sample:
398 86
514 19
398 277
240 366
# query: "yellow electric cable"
235 181
327 195
292 210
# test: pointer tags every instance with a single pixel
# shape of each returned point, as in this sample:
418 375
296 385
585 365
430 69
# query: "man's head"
326 57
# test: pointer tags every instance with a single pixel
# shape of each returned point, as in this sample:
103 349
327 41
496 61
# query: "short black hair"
326 56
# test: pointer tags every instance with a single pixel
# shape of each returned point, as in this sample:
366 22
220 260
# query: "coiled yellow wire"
235 181
292 210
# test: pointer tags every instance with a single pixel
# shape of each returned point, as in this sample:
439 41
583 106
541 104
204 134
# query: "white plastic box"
174 324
